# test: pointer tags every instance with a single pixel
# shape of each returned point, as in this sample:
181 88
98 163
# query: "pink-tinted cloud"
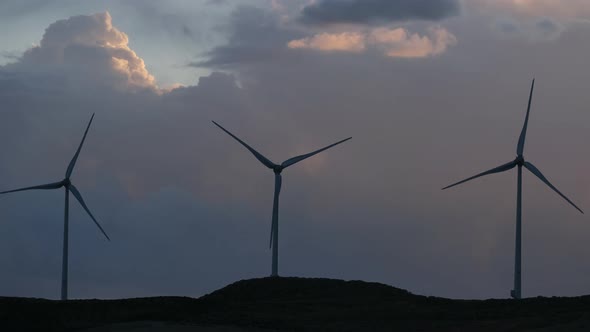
345 42
400 43
397 42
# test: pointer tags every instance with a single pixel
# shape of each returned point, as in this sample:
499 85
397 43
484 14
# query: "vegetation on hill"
304 304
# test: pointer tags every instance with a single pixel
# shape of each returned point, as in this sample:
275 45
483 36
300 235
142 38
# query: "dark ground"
298 304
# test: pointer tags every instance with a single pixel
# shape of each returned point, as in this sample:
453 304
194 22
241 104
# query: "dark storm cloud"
369 11
254 36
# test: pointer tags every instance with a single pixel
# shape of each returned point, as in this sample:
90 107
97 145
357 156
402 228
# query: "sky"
431 92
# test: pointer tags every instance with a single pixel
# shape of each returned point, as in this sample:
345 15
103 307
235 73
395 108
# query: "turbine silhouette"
277 169
516 293
69 187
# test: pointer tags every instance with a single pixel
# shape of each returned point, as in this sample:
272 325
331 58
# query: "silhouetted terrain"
298 304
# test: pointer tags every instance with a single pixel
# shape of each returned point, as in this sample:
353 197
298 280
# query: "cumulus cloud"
397 42
91 43
369 11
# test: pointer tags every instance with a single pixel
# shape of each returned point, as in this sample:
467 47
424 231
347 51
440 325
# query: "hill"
297 304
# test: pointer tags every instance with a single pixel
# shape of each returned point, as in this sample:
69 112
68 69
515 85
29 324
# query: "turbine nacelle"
66 182
519 160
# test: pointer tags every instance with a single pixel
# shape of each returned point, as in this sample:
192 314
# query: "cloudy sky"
431 91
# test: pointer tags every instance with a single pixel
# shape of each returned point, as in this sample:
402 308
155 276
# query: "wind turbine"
277 169
516 293
69 187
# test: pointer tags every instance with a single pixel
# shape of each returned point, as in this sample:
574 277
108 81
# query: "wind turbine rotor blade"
275 206
297 159
499 169
75 158
256 154
78 196
521 139
54 185
540 175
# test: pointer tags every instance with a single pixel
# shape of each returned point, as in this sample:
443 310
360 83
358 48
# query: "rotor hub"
277 169
519 160
66 182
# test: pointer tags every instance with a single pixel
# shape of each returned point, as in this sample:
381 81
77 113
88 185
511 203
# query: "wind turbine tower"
277 169
68 186
519 162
